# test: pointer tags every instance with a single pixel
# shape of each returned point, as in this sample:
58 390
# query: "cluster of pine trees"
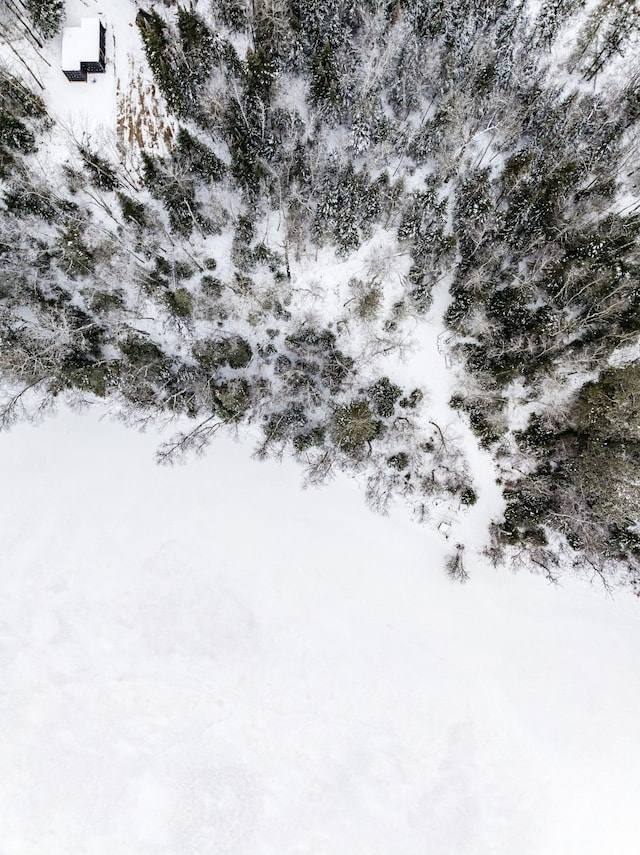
495 153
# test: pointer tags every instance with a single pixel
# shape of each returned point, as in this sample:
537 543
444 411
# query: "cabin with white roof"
83 49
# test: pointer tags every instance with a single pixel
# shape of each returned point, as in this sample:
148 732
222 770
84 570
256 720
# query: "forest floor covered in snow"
205 659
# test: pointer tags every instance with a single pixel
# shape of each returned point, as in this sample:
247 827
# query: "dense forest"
487 147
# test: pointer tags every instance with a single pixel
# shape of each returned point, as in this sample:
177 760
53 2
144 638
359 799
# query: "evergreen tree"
47 15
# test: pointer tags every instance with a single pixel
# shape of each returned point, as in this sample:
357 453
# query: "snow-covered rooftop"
81 44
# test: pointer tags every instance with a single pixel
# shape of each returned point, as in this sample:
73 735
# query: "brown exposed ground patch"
141 121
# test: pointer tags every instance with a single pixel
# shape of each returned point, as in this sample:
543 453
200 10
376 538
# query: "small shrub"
398 461
524 512
368 303
309 439
353 425
536 438
242 284
486 432
279 426
239 352
132 210
194 156
141 351
234 352
180 302
15 134
22 202
101 174
75 257
107 301
468 496
233 13
482 427
233 398
93 377
211 286
455 566
182 270
384 394
411 401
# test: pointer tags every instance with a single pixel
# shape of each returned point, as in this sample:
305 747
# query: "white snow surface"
207 660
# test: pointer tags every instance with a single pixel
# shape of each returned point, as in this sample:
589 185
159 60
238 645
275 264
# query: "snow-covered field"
207 660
